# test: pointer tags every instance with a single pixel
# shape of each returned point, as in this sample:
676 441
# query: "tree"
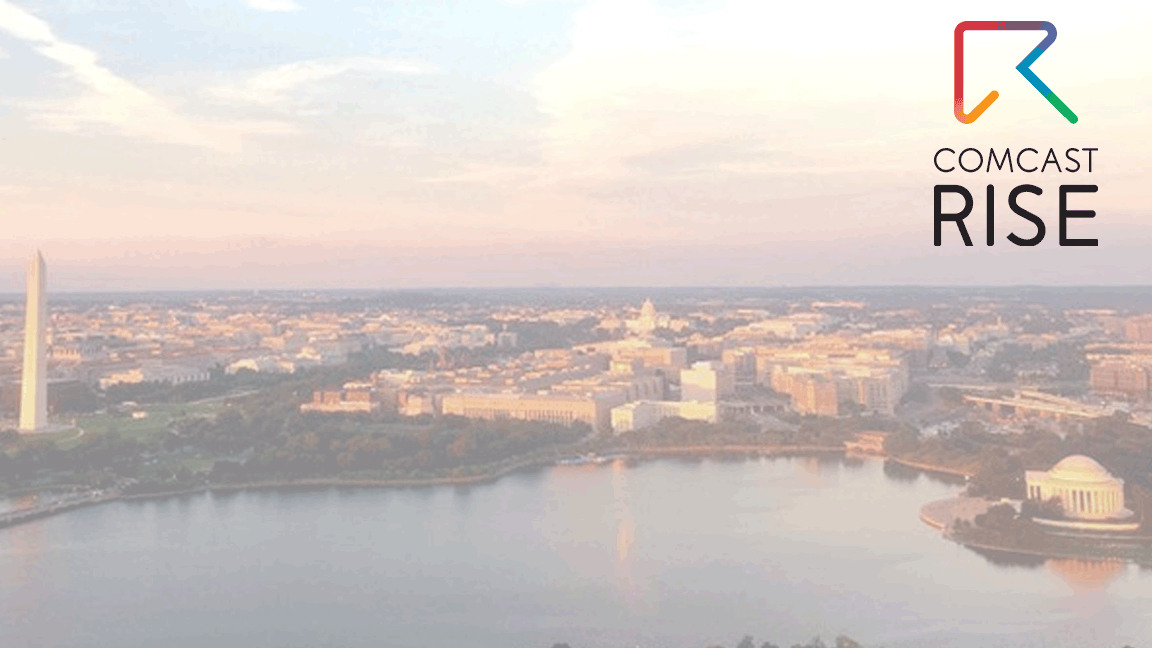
461 447
746 642
951 396
1051 509
7 466
957 359
917 393
998 517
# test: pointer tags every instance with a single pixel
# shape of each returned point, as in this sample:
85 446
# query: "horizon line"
467 288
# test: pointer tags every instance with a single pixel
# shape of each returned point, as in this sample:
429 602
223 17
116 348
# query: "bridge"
1034 403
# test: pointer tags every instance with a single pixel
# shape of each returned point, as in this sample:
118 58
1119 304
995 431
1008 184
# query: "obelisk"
34 384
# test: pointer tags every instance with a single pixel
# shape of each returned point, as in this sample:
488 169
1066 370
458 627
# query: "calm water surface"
669 553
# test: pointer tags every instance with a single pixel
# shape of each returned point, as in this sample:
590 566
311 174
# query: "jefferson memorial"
1092 498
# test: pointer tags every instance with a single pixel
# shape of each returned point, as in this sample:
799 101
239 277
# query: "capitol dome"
1079 468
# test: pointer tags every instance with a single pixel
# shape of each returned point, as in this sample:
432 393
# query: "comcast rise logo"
1024 67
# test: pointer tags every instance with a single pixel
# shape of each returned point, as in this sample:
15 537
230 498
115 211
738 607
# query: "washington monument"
34 384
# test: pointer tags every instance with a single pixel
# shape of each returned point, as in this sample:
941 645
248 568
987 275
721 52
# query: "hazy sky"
282 143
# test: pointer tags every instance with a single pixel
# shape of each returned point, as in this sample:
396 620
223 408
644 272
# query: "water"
670 553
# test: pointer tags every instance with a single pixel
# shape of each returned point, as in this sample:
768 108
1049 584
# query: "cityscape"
574 324
1030 407
904 374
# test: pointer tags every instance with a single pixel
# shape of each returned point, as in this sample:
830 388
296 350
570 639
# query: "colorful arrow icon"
1024 67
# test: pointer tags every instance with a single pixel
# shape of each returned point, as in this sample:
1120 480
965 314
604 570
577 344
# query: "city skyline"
575 323
152 394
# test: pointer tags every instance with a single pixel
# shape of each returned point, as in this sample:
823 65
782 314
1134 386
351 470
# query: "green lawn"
155 424
196 463
61 438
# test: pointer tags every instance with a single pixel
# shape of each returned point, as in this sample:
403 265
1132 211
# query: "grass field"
62 438
196 464
155 424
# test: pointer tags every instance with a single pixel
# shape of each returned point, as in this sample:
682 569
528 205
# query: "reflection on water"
853 461
671 553
624 533
1088 582
23 566
1087 575
809 470
900 472
1009 558
1080 574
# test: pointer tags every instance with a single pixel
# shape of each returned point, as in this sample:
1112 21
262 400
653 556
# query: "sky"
307 144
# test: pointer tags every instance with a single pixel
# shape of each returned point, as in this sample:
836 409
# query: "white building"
156 373
262 364
790 327
1091 497
34 383
507 340
648 321
706 382
643 414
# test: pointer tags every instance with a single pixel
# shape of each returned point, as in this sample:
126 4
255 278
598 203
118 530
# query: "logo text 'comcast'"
1024 67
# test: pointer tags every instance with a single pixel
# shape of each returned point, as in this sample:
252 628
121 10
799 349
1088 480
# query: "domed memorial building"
1092 499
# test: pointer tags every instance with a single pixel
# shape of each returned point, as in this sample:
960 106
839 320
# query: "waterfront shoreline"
493 475
1053 555
933 468
942 514
490 477
496 474
432 482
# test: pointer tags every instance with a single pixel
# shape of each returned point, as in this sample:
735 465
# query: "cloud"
273 85
110 100
639 80
273 5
